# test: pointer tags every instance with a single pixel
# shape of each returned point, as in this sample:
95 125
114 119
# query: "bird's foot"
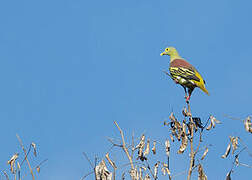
187 98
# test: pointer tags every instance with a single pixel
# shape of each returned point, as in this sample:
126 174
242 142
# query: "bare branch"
124 146
28 163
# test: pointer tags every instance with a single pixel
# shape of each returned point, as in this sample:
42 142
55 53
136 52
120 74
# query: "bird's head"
171 51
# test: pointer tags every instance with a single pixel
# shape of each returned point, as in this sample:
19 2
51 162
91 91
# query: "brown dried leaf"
172 117
102 172
147 149
234 141
201 175
212 118
204 154
209 126
183 144
156 170
172 138
247 124
110 161
228 177
140 147
34 149
236 160
163 171
227 151
191 126
147 177
184 127
11 162
134 173
212 121
167 147
166 169
154 148
141 143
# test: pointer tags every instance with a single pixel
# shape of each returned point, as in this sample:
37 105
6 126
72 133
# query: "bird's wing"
180 67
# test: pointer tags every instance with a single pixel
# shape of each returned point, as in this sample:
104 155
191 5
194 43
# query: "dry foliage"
18 161
187 131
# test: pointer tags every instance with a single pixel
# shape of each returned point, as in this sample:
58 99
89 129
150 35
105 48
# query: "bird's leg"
185 92
188 98
190 90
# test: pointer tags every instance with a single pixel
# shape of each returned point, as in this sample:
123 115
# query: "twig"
26 155
248 151
245 165
28 163
124 146
34 167
197 149
114 144
86 175
95 167
183 172
132 146
233 118
6 175
88 160
148 167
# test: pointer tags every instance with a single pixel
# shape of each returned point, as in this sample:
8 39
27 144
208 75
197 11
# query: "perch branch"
191 143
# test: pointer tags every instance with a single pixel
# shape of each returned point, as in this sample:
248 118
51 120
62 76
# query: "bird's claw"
187 98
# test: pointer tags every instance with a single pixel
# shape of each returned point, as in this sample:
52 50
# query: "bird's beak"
163 53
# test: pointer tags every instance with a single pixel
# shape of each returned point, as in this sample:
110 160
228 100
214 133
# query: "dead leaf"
209 126
201 173
204 154
172 117
11 162
147 149
156 170
183 144
110 161
34 149
167 147
234 142
172 138
102 172
227 151
154 148
147 177
236 160
228 177
247 124
140 148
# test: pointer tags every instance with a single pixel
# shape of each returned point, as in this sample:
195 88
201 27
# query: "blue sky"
68 69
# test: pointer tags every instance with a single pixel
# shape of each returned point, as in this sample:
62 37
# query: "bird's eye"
167 49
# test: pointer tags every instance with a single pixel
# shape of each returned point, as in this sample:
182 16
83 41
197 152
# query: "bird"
184 73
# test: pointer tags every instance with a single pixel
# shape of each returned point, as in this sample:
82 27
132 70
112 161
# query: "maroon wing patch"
181 63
